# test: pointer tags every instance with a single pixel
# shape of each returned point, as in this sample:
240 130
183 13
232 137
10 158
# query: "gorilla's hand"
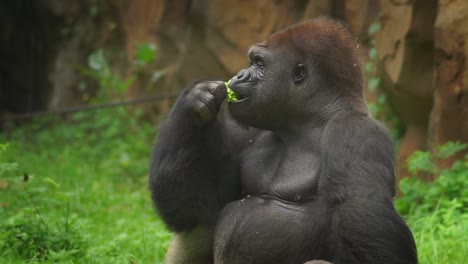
318 262
204 100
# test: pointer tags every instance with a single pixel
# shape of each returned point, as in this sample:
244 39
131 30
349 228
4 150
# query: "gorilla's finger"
207 99
202 112
219 90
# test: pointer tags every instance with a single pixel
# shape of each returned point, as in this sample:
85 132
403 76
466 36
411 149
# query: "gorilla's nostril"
242 76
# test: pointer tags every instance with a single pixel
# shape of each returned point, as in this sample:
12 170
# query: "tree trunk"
449 116
422 61
405 54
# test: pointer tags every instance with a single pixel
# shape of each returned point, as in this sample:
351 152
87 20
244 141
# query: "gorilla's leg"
191 247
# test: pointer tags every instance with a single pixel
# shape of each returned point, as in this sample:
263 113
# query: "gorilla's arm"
371 232
358 158
359 179
193 168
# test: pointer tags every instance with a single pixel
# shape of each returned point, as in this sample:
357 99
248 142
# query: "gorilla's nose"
242 76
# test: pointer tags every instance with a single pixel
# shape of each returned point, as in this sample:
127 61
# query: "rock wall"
421 47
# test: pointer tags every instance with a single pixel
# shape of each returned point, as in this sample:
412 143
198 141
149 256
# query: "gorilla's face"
296 74
268 90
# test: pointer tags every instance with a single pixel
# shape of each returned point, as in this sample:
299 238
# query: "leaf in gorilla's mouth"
231 95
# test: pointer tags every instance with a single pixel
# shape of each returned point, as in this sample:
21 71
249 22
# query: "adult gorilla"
296 170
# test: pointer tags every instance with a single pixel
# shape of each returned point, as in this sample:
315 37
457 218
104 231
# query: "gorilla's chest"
273 169
265 230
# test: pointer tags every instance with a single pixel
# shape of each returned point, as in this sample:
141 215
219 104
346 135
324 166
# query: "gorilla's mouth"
233 96
240 98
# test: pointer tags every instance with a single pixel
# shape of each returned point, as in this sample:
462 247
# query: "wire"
132 101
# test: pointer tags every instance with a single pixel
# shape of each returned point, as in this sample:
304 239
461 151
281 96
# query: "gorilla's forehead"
269 52
311 36
257 48
298 40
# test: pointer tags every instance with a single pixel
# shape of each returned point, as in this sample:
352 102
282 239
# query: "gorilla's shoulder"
358 131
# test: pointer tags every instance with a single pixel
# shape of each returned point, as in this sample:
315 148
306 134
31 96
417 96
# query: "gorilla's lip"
242 91
240 100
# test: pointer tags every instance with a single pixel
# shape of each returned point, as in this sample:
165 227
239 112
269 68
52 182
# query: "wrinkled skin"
295 171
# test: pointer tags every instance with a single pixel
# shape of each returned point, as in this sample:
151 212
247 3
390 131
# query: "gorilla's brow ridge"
254 49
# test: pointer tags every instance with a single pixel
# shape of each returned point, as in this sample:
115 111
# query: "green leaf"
369 67
51 182
123 86
231 95
382 98
97 61
449 149
145 54
374 82
420 161
373 28
373 53
374 109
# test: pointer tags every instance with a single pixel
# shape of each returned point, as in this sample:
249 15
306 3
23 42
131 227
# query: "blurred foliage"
451 185
379 107
437 211
111 84
145 54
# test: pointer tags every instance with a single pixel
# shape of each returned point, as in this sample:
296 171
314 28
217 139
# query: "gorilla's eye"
299 73
257 60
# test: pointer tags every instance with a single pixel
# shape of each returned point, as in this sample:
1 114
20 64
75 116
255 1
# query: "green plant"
110 82
6 167
231 95
450 186
145 54
437 212
28 238
27 232
379 107
85 199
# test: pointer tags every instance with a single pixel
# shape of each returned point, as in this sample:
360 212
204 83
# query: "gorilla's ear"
299 73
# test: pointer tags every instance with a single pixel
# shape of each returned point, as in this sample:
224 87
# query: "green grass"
440 237
86 199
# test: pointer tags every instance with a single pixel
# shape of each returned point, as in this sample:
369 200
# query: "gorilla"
294 171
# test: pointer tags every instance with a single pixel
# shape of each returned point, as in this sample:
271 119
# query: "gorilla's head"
302 73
